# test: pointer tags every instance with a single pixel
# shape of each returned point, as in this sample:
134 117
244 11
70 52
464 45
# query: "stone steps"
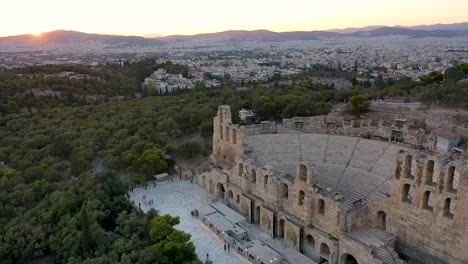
384 255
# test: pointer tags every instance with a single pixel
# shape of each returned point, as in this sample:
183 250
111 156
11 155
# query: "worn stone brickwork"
413 198
266 220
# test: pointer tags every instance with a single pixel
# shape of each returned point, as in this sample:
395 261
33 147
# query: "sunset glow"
140 17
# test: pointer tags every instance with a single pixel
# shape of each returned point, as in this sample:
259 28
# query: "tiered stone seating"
358 184
328 175
340 149
367 152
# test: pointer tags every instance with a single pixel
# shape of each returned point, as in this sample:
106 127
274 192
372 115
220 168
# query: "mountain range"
64 36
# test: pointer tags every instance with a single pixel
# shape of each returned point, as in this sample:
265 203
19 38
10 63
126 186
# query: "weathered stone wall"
410 132
292 234
420 216
266 220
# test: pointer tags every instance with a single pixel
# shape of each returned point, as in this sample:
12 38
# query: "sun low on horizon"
141 17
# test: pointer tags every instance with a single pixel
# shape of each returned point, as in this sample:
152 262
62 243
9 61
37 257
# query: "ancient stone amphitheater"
344 191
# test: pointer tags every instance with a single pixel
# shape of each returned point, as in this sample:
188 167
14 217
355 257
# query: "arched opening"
348 259
428 201
234 136
221 131
253 176
220 113
203 180
230 194
321 206
429 172
265 181
448 208
227 133
408 164
300 198
221 190
281 228
324 253
382 220
211 186
240 170
285 190
302 172
405 194
257 215
237 199
450 179
309 246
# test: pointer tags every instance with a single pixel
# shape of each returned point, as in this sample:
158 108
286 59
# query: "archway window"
227 133
321 206
324 251
430 172
285 189
253 176
348 259
382 220
221 131
405 194
234 136
300 198
237 199
265 181
240 170
302 172
310 241
451 179
448 208
428 201
408 164
230 194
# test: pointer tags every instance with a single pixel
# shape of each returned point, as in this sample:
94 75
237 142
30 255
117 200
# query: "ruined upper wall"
413 132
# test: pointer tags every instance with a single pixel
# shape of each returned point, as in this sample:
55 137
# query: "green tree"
189 149
359 103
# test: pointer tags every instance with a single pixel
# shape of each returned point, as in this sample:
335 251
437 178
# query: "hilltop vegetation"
53 205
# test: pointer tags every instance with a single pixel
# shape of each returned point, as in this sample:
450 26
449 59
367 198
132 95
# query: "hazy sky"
139 17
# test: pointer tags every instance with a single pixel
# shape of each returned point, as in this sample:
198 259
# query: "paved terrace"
357 168
179 198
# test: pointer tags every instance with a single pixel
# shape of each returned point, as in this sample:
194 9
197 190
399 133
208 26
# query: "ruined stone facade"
341 198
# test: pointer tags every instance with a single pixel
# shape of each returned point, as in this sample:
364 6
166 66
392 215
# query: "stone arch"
226 129
253 176
450 178
281 228
238 199
211 186
265 181
321 206
348 259
428 201
300 198
284 190
309 246
382 220
220 113
302 172
447 211
221 132
203 180
405 194
429 172
220 189
230 194
240 170
408 164
324 252
234 136
257 215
